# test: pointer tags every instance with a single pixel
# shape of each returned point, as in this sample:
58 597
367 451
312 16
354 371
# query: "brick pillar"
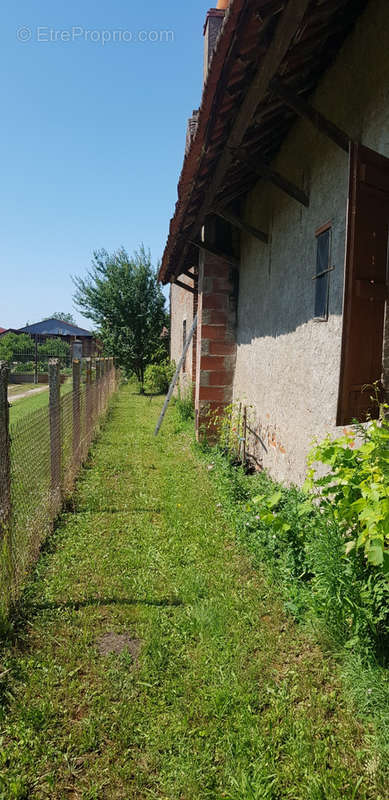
216 338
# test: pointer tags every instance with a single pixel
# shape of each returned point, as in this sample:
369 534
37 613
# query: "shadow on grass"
77 605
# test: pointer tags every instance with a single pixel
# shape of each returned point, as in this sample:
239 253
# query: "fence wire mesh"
40 456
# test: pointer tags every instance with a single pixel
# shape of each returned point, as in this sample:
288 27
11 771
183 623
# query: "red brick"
212 362
215 301
217 269
213 332
221 348
216 317
222 378
222 285
209 394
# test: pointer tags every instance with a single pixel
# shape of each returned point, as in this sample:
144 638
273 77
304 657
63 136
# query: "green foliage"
302 540
184 404
62 316
12 344
158 377
123 297
356 489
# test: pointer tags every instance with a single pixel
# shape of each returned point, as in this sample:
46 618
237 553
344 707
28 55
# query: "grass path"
216 695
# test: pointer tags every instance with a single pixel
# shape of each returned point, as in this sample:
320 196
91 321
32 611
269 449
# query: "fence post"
5 454
88 396
76 411
55 431
98 386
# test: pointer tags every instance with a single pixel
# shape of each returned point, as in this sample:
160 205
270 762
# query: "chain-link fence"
40 455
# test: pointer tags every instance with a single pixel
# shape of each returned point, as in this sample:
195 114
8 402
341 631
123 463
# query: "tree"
13 345
63 317
123 297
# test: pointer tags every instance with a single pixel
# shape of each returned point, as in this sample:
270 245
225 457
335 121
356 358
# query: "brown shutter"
365 289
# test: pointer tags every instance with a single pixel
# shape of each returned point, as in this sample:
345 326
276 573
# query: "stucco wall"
181 309
287 363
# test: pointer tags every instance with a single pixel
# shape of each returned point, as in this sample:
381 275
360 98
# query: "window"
323 269
184 343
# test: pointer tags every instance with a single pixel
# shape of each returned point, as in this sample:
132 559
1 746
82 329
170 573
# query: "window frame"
325 228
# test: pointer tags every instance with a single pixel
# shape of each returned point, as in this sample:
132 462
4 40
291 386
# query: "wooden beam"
183 285
264 170
285 32
287 27
210 248
303 109
233 219
188 273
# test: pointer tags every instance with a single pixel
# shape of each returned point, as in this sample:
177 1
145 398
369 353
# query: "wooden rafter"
238 222
265 171
183 285
210 248
305 110
287 28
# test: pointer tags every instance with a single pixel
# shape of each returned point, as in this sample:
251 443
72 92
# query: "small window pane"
322 282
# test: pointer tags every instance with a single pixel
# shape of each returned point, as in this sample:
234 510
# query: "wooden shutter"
365 290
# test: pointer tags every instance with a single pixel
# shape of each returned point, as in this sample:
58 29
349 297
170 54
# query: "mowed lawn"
211 691
26 405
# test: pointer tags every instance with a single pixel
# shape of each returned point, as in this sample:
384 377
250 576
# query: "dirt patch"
117 643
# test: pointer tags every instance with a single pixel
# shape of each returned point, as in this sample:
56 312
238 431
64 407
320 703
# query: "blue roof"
55 327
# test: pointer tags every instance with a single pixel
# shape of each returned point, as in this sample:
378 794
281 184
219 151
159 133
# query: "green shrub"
356 488
184 404
158 377
323 544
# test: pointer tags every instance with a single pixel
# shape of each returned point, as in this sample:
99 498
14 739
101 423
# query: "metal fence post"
5 452
55 431
76 411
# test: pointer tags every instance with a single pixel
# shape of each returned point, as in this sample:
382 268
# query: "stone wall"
287 365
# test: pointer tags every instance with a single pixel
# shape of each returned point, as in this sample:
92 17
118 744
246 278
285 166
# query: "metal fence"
40 456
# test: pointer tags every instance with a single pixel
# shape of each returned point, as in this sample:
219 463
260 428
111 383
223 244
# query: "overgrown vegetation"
158 377
222 696
184 403
324 546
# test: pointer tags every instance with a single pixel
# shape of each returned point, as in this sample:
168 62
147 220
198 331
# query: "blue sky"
92 138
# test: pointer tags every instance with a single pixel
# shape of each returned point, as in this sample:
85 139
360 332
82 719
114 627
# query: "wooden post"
98 387
76 411
244 443
175 377
5 454
55 432
88 393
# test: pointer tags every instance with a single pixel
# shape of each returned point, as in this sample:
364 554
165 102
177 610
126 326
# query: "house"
280 233
59 329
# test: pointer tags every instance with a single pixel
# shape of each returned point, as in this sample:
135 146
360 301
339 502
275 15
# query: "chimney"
213 23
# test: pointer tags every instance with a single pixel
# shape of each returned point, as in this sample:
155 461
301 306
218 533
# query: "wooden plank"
233 219
287 27
176 376
210 248
183 285
264 170
365 288
306 111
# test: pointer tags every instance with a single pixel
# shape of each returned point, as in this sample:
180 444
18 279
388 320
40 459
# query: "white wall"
288 364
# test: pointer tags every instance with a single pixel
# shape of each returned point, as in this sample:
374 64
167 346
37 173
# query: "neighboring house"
59 329
282 219
2 330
